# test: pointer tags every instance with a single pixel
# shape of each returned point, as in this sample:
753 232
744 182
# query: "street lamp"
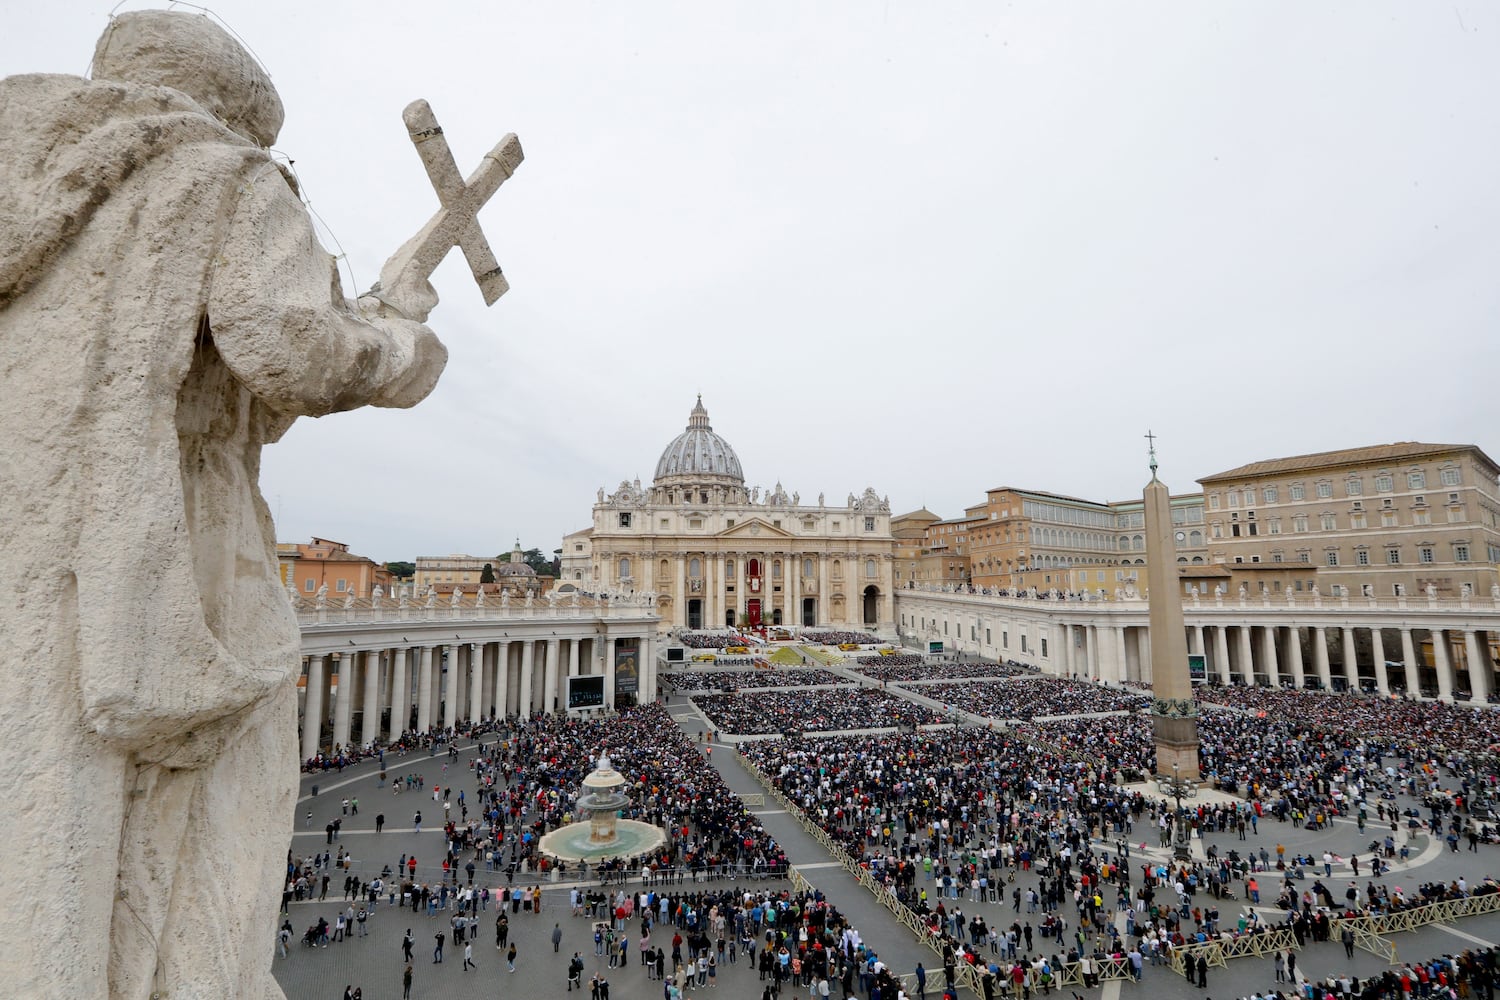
1180 833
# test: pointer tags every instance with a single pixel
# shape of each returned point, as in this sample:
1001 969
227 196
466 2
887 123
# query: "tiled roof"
1373 454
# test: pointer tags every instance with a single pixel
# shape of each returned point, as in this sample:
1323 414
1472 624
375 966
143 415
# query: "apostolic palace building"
713 553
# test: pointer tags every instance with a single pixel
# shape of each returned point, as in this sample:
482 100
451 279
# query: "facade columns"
1195 643
1377 650
400 694
424 689
1351 660
1479 667
1122 663
573 648
1409 664
528 651
1268 657
1221 655
1444 664
1320 658
549 678
1294 654
1247 657
609 673
1090 652
502 678
343 705
487 679
680 599
369 725
825 594
312 706
720 591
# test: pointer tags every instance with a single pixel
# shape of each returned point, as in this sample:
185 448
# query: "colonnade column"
312 706
1268 655
1320 657
1247 657
455 681
1409 664
1351 660
609 673
549 678
424 689
825 595
343 708
1195 642
1479 667
1377 649
502 678
523 707
369 725
1294 654
1122 663
573 647
1444 664
476 685
1221 655
1064 650
400 693
1090 653
487 678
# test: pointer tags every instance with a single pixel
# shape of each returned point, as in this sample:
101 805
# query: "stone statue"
431 601
292 595
820 501
456 598
479 597
378 592
1244 591
1218 590
165 312
601 494
529 598
321 597
1315 591
349 600
796 498
504 601
573 600
1466 591
1430 591
1495 591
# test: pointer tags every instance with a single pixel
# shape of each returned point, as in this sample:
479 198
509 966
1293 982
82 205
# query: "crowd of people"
739 680
1471 973
1032 698
1455 728
915 667
717 640
814 710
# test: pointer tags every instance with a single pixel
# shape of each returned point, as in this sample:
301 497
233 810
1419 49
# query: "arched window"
1124 544
666 570
776 570
729 568
1138 543
753 567
869 569
838 569
1195 538
807 568
624 568
695 568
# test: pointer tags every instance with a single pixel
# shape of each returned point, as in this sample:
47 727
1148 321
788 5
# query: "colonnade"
1443 650
438 685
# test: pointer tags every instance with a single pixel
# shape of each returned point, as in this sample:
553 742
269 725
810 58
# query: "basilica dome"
698 455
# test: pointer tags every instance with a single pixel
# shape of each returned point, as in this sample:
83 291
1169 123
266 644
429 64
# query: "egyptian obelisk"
1174 714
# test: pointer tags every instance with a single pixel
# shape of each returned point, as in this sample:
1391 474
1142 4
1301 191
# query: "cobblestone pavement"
374 963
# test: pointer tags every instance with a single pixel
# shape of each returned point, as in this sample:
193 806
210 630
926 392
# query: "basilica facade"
713 553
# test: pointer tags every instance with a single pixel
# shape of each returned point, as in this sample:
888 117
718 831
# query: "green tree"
487 575
402 570
537 561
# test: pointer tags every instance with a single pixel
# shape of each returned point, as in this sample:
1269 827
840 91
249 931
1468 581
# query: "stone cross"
456 223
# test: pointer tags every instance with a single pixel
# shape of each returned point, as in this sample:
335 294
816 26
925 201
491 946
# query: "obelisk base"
1176 743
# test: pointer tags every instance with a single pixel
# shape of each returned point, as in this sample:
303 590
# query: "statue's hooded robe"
164 310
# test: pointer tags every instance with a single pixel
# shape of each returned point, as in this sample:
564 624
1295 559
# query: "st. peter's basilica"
714 553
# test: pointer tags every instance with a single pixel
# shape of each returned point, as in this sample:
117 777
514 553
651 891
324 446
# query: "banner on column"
627 666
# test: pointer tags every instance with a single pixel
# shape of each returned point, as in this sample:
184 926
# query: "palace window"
1325 490
1362 557
1271 494
624 519
1416 480
1354 487
309 588
1328 522
1450 477
1388 519
1357 521
1384 484
1333 558
869 524
1298 491
341 586
1213 501
1393 556
624 569
1423 516
695 568
869 569
807 567
776 569
1299 523
1424 554
729 568
1460 553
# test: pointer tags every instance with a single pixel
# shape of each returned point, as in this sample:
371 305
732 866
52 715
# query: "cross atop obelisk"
1174 713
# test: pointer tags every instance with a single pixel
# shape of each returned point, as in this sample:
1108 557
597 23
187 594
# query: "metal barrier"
1218 951
1366 936
753 799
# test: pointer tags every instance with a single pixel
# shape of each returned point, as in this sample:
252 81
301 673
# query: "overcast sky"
931 248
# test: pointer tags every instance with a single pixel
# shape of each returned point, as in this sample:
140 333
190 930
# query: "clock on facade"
1182 536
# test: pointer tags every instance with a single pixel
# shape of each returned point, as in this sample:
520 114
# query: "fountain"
604 834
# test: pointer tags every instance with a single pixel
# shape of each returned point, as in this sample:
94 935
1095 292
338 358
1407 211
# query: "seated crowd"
1028 699
716 640
789 711
736 680
914 667
834 637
